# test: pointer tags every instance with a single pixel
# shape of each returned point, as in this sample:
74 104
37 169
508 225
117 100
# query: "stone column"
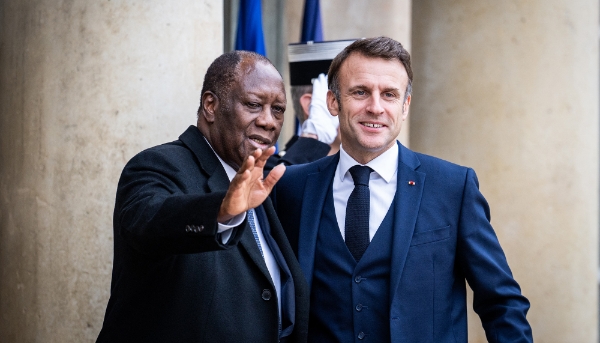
511 89
84 85
361 18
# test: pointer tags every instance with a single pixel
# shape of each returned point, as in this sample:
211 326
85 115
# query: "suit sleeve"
497 297
157 213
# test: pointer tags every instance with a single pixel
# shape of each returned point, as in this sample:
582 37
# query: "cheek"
234 137
352 116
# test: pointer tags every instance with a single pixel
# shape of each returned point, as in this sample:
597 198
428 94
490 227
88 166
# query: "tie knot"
360 175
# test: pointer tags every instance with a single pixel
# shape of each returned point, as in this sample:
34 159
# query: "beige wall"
83 86
511 89
346 20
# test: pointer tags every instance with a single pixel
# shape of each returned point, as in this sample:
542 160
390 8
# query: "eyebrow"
392 89
353 88
362 86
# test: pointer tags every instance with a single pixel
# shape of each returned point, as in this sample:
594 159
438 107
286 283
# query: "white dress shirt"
382 187
226 229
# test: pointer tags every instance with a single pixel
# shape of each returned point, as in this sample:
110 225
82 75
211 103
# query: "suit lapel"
269 232
408 199
207 159
315 192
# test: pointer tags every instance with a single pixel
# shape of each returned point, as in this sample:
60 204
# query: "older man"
199 253
385 236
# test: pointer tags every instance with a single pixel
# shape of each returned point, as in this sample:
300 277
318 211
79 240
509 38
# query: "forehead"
256 74
357 69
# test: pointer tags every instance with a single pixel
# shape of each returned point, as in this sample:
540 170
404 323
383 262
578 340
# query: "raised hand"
248 189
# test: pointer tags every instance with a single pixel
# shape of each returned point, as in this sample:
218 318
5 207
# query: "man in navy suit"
199 253
385 236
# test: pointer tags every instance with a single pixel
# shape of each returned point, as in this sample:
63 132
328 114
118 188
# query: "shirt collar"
385 165
228 169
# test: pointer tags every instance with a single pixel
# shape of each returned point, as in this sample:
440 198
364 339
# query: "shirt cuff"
226 229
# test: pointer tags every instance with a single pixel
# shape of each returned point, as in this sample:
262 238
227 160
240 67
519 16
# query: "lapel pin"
411 183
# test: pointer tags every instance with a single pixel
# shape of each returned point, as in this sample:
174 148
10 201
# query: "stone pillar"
361 18
84 85
511 89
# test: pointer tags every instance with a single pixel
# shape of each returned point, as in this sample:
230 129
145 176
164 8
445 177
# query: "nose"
267 119
375 106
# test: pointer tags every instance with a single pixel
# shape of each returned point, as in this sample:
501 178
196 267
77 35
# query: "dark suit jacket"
173 279
442 236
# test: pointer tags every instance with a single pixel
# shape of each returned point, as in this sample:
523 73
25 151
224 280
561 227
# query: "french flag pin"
411 183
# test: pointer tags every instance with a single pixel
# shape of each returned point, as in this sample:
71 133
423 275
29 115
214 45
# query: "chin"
372 145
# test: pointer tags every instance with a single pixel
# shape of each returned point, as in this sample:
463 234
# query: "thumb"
274 176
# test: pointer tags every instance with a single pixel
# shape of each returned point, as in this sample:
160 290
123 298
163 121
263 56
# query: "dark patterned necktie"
357 212
254 232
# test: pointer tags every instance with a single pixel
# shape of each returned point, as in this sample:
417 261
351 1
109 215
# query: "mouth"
372 125
260 142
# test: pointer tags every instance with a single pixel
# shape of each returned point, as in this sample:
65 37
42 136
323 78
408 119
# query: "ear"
210 104
305 103
332 104
405 107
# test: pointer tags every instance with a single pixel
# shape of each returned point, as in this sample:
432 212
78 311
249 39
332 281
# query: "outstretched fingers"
263 156
243 174
250 162
248 189
274 176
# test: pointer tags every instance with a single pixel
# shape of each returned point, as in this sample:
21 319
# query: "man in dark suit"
386 237
199 253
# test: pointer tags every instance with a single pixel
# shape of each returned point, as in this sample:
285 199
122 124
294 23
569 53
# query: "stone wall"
510 88
84 85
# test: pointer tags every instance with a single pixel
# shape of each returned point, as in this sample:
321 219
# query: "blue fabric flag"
312 30
249 34
311 23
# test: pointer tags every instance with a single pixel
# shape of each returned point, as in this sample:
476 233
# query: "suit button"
358 279
188 228
266 294
359 307
361 335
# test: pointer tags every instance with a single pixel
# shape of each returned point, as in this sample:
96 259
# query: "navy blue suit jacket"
442 237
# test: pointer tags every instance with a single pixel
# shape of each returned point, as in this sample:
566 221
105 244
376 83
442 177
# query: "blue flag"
311 22
312 30
249 30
